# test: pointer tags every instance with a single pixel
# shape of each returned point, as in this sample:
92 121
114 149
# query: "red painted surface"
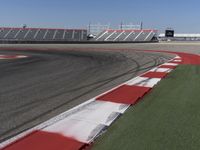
191 59
155 74
41 140
187 59
125 94
8 56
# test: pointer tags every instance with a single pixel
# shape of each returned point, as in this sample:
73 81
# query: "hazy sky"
182 15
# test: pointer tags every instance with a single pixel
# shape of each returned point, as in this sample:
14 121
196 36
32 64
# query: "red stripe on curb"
167 66
40 140
8 56
187 58
125 94
155 74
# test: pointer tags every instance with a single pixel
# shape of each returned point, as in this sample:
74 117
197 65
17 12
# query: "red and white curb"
80 126
12 56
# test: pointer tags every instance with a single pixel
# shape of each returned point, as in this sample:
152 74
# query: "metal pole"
141 27
89 27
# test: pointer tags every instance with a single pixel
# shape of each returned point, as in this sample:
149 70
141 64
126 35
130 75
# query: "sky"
181 15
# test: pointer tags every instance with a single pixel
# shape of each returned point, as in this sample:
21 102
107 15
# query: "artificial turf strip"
168 118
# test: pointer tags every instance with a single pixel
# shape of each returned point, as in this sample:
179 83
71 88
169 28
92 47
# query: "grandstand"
126 35
180 37
42 34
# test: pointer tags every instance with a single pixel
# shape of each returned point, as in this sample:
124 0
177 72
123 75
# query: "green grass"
168 118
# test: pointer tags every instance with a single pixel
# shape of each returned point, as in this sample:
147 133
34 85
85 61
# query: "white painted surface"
46 124
177 60
100 112
15 57
144 82
171 64
177 57
166 70
82 131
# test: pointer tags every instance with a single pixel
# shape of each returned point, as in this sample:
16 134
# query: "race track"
49 81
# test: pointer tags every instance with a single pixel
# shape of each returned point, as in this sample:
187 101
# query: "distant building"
180 37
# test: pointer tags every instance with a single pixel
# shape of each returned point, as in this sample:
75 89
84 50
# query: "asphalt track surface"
56 78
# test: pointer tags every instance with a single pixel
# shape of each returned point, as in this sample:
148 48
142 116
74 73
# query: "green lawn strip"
168 118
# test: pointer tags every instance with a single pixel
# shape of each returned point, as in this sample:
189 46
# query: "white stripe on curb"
82 131
177 60
177 57
167 70
144 81
171 64
93 112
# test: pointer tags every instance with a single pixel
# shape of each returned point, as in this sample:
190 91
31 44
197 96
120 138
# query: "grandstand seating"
126 35
45 34
42 34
